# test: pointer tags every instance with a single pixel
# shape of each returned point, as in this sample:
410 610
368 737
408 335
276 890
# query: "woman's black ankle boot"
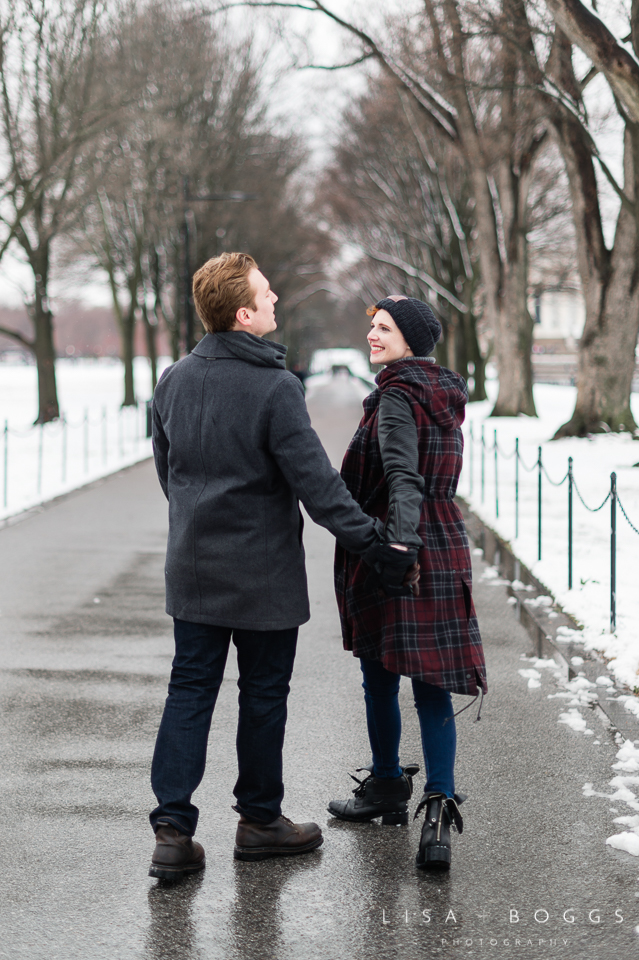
377 797
442 813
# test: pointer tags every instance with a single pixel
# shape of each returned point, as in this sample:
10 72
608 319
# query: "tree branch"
418 275
440 112
337 66
589 32
15 335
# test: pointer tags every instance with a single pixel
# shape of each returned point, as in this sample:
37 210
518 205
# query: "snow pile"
581 692
628 762
533 677
575 721
593 461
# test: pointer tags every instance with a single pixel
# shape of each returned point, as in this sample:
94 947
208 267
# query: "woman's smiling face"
386 340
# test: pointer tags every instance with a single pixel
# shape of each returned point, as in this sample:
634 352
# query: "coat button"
468 676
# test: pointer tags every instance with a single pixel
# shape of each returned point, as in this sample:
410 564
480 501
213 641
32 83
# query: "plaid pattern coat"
434 636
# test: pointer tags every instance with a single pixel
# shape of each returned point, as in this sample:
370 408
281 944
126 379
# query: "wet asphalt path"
82 684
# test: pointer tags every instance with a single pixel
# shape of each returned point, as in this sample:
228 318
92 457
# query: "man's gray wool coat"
235 451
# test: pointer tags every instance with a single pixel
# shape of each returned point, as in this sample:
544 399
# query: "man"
235 451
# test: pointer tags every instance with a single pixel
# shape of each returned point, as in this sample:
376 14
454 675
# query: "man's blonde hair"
221 287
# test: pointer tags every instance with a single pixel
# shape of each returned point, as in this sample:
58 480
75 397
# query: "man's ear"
242 317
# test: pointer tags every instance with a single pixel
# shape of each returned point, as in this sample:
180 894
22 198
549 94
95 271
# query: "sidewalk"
82 687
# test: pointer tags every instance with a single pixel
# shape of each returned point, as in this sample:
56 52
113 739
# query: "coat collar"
239 345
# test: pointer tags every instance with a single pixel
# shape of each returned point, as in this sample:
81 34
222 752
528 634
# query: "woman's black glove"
394 571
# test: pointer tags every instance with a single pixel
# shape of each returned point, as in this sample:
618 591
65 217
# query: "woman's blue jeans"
435 712
265 662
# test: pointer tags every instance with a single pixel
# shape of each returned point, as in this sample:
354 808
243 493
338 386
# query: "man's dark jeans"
265 660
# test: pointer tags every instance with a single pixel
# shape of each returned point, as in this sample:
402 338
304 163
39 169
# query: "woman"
403 466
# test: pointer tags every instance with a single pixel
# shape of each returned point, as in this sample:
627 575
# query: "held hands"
397 569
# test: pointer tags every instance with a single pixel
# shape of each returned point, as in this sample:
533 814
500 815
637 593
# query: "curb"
542 622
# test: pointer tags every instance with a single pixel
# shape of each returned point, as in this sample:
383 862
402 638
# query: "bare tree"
608 274
402 198
51 105
471 84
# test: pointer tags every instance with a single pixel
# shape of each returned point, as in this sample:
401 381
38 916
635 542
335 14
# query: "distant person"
235 451
403 465
301 373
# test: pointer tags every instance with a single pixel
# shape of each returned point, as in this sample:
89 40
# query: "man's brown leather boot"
281 838
175 855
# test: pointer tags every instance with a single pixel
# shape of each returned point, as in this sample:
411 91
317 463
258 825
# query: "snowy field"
97 438
593 461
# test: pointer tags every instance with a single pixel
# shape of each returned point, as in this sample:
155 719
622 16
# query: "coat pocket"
468 597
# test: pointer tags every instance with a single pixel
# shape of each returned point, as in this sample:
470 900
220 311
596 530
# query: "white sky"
310 101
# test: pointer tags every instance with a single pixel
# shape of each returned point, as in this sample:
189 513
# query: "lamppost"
235 196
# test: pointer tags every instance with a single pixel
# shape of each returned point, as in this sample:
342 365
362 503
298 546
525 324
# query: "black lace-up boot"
377 797
442 813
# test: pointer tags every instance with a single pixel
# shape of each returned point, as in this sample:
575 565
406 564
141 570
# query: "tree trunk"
607 348
473 356
513 337
151 330
127 331
126 325
505 281
42 318
611 290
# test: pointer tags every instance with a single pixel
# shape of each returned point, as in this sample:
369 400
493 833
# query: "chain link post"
613 552
570 523
516 487
120 434
64 448
496 479
539 469
40 456
483 471
86 440
5 482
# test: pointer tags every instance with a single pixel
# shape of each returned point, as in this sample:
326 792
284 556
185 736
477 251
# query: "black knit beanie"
419 326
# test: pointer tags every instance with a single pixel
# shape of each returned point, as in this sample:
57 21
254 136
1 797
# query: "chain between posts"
612 496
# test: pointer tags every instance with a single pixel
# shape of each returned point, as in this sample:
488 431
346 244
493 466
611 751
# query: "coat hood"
243 346
441 392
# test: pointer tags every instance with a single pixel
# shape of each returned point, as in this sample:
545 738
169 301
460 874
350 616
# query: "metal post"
496 479
539 503
470 449
613 552
120 435
5 491
516 487
40 452
104 435
483 448
64 449
570 523
86 440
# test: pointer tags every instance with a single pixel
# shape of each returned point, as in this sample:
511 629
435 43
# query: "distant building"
559 317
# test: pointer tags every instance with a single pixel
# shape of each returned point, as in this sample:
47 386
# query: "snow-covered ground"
97 439
593 461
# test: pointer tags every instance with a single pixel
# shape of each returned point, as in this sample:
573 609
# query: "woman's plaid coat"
435 635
